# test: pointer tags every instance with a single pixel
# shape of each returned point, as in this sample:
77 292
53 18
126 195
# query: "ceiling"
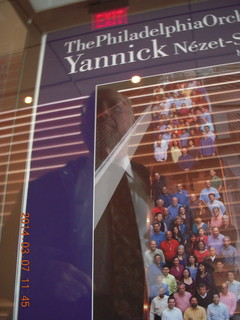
12 30
46 4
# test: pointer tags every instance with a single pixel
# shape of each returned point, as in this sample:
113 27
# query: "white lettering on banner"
69 45
154 48
86 65
121 58
109 39
236 36
131 54
140 57
73 63
201 46
99 39
209 20
157 52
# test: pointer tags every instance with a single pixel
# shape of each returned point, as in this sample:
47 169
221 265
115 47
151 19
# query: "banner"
103 150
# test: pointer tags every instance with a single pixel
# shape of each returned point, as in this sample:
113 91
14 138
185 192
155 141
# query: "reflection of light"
145 307
28 100
136 79
148 220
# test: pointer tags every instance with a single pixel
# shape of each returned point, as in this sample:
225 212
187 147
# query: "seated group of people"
192 248
182 125
204 305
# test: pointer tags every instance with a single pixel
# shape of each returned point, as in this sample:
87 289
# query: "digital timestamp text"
25 262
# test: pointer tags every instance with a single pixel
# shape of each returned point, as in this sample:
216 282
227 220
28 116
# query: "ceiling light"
136 79
28 100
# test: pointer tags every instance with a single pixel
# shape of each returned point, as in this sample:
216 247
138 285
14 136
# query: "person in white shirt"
213 202
209 133
150 253
177 100
160 149
188 101
172 313
217 310
164 106
229 299
233 285
158 305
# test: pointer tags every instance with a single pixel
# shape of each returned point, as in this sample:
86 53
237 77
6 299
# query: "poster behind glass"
177 124
176 184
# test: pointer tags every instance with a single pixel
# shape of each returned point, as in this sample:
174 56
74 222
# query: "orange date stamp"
25 262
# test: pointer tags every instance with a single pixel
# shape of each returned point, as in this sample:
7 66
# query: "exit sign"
109 18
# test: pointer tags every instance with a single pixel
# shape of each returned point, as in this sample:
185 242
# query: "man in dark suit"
61 206
157 183
203 295
120 233
57 281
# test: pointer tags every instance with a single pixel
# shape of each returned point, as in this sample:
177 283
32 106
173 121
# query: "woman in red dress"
201 252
